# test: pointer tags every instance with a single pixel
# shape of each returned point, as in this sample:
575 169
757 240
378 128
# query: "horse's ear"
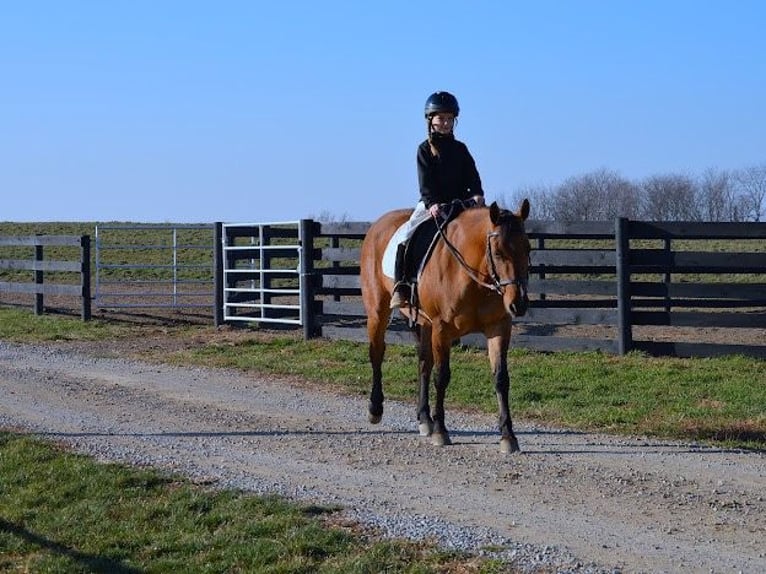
494 213
524 211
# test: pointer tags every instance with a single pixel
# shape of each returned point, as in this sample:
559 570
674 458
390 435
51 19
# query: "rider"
446 171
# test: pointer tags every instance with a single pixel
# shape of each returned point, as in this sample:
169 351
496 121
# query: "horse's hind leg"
376 332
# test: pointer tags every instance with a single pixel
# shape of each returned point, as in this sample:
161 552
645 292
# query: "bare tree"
541 199
603 195
599 195
327 217
670 198
716 197
751 187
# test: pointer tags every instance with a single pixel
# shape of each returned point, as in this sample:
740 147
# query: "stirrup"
398 298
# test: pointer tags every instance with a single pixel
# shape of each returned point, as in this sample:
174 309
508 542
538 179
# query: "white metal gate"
262 279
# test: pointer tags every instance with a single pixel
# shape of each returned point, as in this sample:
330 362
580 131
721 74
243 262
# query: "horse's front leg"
376 331
425 366
441 353
375 408
497 347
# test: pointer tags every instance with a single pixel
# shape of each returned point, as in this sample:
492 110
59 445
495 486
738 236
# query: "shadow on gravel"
242 434
628 449
459 438
88 562
573 446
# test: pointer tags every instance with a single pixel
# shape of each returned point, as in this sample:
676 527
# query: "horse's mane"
508 221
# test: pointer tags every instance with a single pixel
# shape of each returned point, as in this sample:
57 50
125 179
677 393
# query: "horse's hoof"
509 445
426 429
374 419
440 439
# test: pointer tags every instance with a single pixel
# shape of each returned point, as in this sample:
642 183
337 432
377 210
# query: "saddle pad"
389 255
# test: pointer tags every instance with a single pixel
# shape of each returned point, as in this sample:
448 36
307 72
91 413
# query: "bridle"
497 284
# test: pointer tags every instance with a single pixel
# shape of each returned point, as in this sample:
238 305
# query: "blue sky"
247 111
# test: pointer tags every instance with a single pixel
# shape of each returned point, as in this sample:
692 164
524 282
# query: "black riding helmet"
441 102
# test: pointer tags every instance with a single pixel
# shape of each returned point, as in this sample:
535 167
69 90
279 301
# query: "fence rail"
35 261
609 286
618 288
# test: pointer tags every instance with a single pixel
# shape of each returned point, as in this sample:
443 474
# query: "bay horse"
474 282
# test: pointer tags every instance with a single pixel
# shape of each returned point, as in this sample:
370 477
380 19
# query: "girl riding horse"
446 172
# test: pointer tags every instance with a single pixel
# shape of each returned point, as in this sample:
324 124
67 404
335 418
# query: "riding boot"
401 289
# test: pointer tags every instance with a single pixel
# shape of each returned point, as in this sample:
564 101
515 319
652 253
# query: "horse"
474 282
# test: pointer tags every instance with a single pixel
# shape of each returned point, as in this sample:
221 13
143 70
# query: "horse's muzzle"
519 308
520 303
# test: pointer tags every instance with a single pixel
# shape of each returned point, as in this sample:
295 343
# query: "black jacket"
452 175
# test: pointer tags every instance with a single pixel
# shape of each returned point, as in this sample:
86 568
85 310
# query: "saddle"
420 246
418 249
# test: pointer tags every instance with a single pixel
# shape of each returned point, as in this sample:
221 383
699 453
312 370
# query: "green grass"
61 512
22 326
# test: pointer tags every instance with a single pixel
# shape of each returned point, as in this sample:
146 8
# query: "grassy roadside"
61 512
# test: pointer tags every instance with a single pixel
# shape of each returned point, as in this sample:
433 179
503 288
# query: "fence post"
541 246
39 303
310 328
98 266
622 245
668 254
85 276
218 274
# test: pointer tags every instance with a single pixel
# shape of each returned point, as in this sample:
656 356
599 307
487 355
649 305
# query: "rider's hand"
435 210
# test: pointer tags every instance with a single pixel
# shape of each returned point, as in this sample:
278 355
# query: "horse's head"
508 250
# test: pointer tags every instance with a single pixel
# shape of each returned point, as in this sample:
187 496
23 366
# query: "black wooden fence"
660 288
48 276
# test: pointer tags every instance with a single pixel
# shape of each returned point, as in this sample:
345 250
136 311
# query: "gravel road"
571 502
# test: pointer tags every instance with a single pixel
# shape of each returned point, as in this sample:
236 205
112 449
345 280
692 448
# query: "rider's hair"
434 149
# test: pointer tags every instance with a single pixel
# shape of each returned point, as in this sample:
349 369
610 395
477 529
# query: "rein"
498 284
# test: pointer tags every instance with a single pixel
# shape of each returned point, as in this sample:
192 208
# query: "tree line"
602 195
